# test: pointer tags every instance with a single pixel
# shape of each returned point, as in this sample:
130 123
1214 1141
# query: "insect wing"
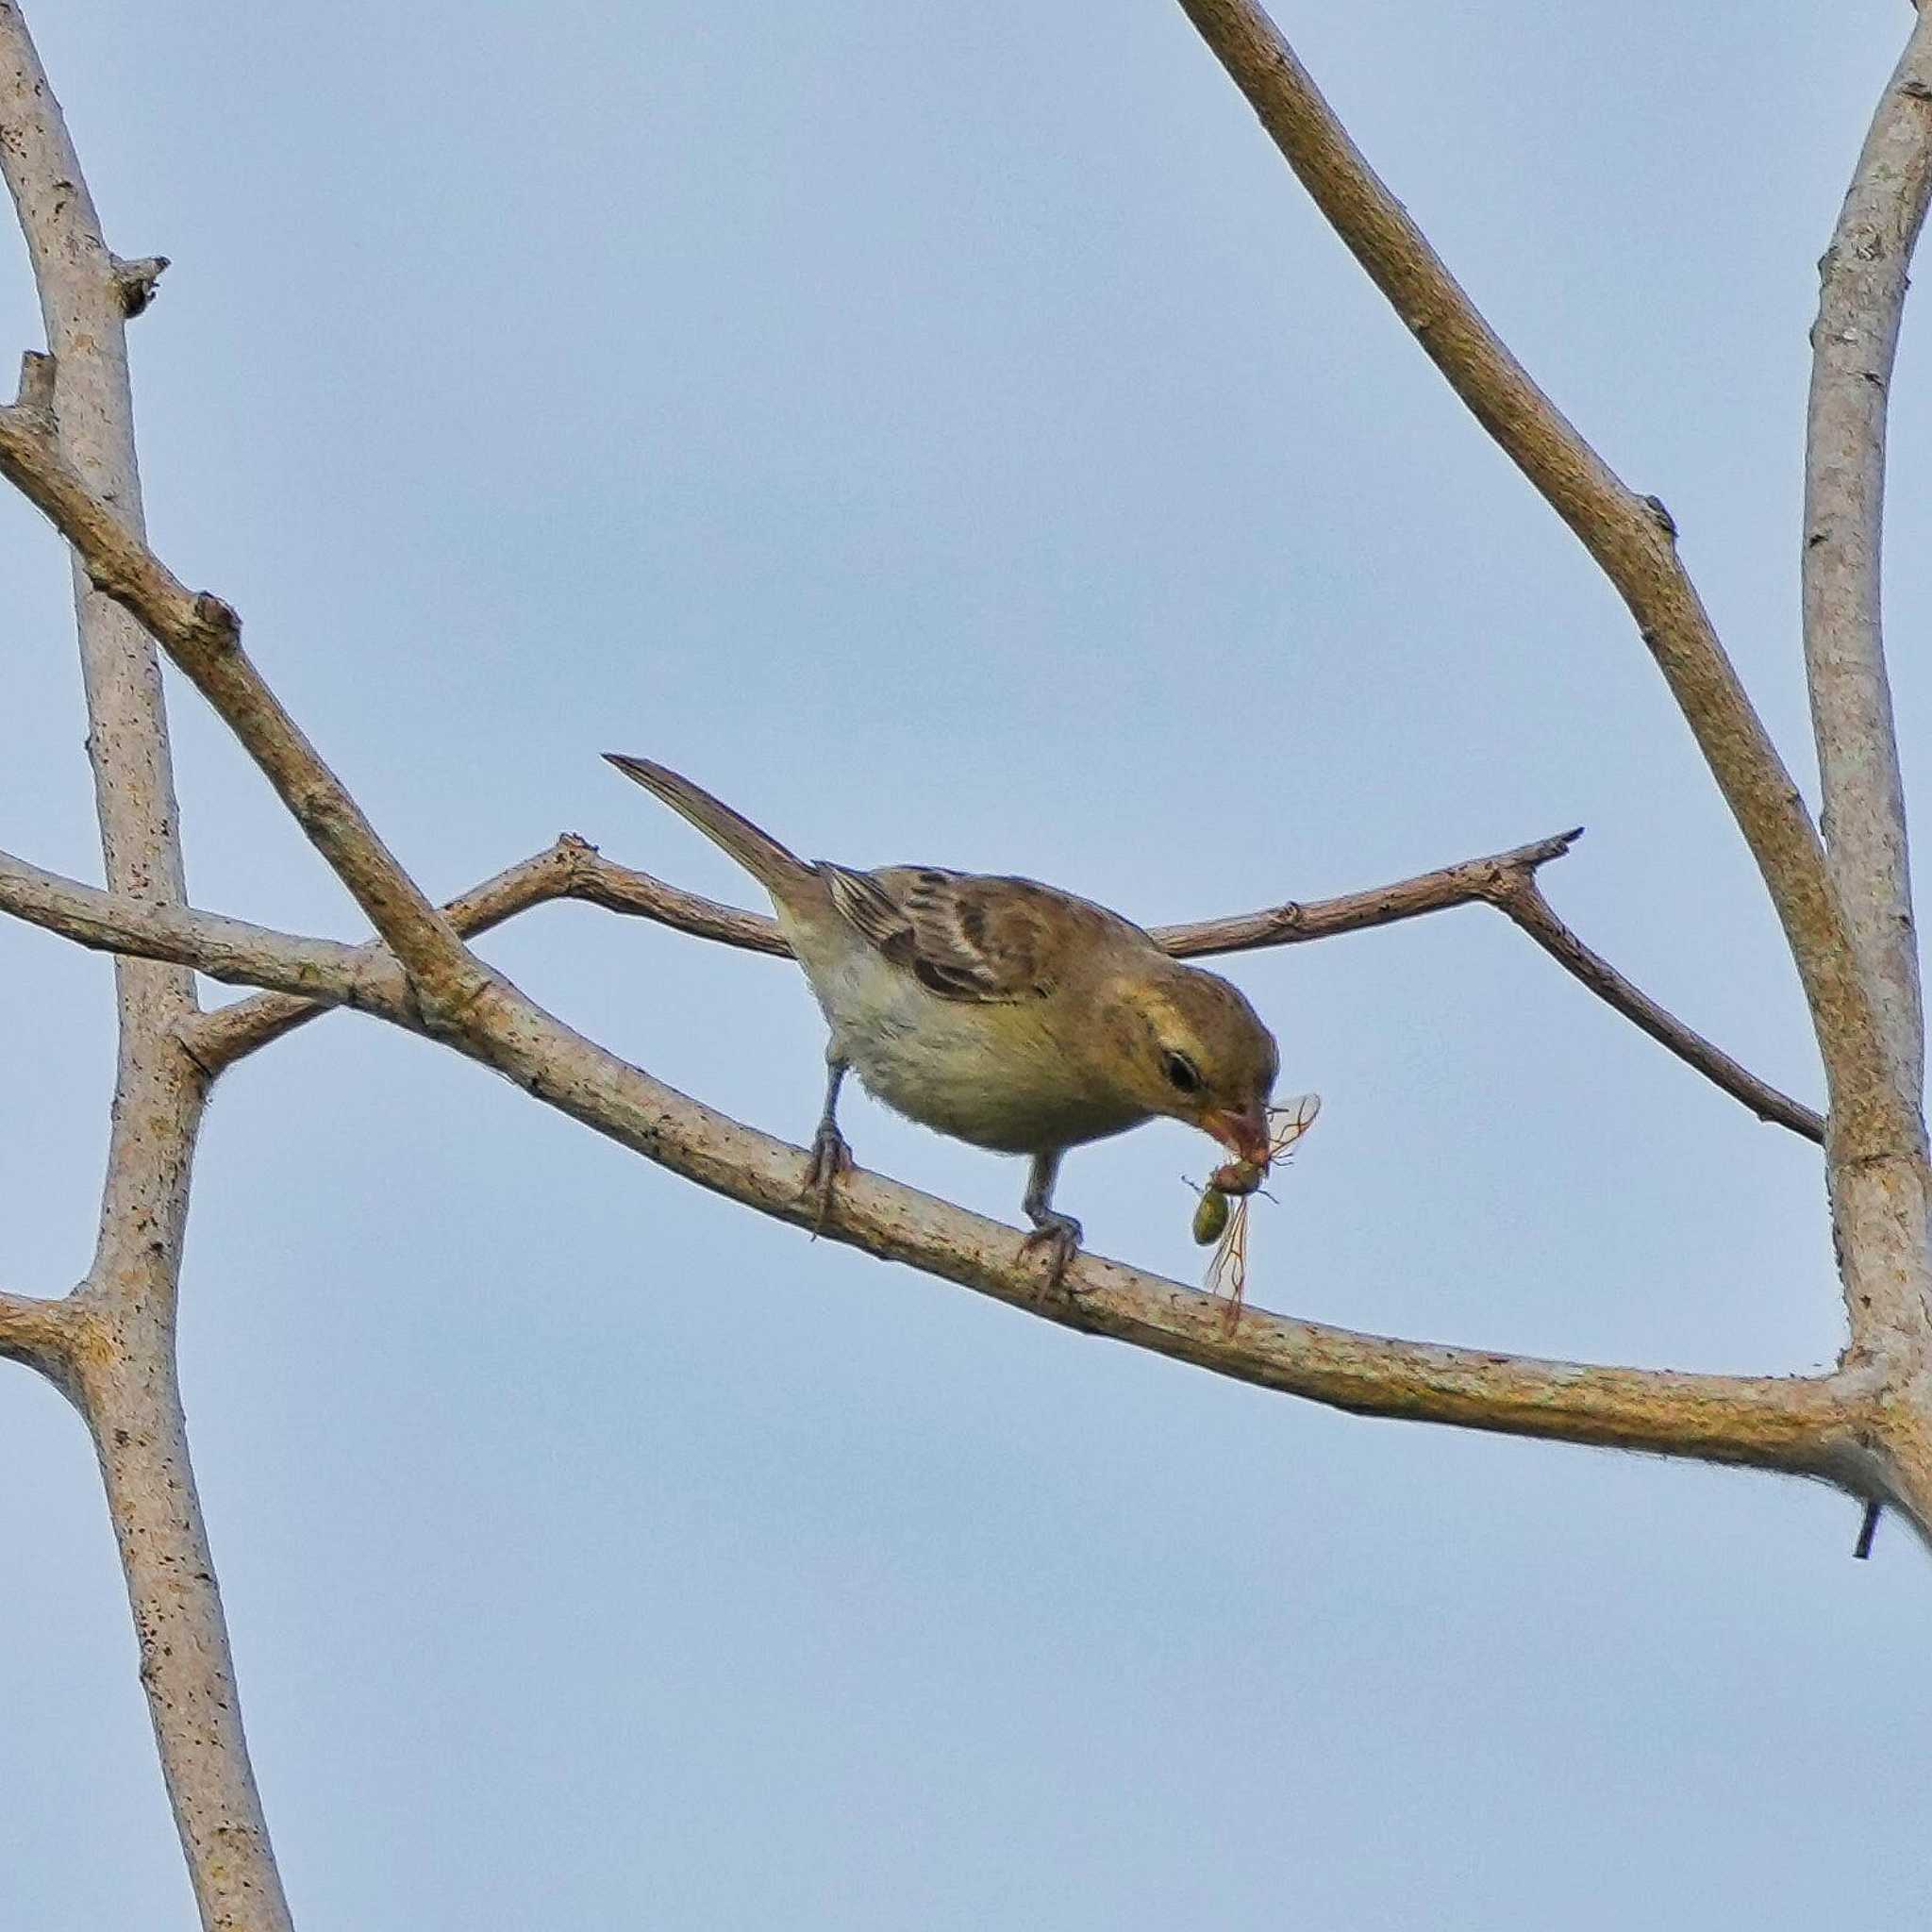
1227 1273
1288 1122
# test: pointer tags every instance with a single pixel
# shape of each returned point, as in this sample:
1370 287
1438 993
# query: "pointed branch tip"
138 282
36 394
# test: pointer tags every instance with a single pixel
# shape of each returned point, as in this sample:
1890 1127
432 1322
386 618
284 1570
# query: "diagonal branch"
1630 537
1809 1426
1519 896
204 637
219 1039
1803 1425
1812 1426
1853 345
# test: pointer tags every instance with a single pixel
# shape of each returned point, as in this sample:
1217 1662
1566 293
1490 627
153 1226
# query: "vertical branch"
1854 345
1879 1208
124 1373
124 1378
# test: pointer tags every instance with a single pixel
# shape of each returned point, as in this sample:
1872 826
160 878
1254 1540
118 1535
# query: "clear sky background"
951 435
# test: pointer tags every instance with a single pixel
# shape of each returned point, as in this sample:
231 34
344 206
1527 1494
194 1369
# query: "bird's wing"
962 936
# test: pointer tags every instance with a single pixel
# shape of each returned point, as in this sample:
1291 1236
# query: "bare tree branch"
1810 1426
1853 345
225 949
1470 882
1630 537
123 1379
1767 1421
1879 1208
204 637
220 1038
86 391
1802 1426
573 869
1519 896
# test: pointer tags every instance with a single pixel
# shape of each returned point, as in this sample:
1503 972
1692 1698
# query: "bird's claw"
1059 1235
830 1157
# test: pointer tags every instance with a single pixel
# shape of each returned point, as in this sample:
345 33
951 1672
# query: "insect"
1223 1213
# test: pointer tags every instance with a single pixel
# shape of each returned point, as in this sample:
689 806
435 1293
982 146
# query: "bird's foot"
830 1157
1058 1236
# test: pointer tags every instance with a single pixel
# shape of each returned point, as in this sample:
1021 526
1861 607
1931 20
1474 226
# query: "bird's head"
1186 1044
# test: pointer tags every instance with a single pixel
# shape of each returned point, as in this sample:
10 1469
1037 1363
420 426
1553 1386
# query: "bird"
1004 1012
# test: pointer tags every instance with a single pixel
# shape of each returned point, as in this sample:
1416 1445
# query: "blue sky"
950 435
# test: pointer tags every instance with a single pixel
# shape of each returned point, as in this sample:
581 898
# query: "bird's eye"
1182 1072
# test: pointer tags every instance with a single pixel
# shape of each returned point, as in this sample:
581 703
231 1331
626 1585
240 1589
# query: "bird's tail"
778 871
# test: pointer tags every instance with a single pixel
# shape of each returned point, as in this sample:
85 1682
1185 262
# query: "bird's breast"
991 1073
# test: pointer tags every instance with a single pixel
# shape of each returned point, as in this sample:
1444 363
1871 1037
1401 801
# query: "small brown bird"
999 1011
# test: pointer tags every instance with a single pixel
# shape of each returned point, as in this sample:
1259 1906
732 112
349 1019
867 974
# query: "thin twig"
573 869
1627 535
1521 899
1472 882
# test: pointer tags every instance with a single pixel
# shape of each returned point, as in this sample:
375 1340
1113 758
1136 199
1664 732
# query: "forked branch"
202 636
1627 534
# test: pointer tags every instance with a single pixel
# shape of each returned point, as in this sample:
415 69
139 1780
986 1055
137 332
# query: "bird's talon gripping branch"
831 1156
1058 1236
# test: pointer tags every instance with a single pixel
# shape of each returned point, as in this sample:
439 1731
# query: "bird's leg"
830 1155
1058 1234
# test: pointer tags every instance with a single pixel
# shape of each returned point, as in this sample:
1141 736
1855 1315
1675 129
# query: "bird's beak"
1244 1134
